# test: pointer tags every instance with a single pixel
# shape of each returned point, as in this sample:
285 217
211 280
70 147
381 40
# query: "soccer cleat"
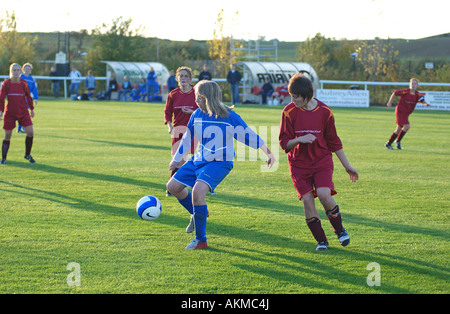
399 146
388 146
343 237
322 246
196 244
191 226
29 158
3 161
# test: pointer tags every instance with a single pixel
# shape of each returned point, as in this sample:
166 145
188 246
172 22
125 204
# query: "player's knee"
323 195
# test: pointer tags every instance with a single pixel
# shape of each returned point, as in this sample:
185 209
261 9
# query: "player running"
215 125
308 135
409 97
18 94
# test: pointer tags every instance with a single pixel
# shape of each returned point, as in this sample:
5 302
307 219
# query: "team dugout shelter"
136 71
254 75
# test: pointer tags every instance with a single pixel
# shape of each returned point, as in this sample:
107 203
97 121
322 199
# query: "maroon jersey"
176 101
319 122
406 104
19 98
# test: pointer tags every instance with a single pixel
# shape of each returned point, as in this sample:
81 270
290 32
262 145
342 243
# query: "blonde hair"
210 90
25 65
11 68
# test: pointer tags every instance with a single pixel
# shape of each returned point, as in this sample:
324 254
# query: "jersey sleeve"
3 93
286 130
333 141
168 109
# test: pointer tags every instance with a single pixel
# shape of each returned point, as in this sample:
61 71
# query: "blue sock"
187 203
200 214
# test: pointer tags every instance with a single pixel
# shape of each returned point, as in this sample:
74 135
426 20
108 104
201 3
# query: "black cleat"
29 158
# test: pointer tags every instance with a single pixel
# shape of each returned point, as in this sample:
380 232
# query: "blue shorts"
212 173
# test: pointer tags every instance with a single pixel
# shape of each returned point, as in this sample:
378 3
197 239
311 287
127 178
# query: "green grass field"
96 159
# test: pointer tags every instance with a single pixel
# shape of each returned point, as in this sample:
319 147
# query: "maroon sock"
400 136
28 145
334 216
5 148
316 229
392 138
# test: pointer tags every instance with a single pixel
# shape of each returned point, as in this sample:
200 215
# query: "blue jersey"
31 85
215 136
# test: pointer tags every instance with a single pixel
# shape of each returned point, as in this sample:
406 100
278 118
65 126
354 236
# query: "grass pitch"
96 159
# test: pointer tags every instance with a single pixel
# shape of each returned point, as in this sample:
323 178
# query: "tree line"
373 60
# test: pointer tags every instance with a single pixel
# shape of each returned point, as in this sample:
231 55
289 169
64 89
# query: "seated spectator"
281 92
266 91
139 91
156 97
126 88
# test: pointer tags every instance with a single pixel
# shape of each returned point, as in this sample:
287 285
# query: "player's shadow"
111 143
89 175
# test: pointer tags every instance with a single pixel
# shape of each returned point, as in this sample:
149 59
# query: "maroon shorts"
9 123
401 117
307 180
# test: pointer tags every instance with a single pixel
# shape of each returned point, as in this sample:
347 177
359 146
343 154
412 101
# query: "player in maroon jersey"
308 135
180 105
409 97
18 94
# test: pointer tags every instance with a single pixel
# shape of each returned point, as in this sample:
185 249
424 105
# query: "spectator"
126 88
89 83
266 91
139 91
75 75
205 75
282 92
151 82
172 81
55 83
233 78
112 87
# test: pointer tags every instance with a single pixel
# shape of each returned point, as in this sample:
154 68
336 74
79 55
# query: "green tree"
14 47
115 42
378 59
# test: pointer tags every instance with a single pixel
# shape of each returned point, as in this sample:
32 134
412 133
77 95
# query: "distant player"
180 104
409 97
19 99
32 86
216 126
308 135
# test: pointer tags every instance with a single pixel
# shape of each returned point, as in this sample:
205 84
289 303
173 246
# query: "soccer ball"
148 207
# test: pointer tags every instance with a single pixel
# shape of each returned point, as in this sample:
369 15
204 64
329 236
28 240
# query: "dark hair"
300 85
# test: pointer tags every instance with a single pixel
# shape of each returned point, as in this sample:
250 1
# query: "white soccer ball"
148 207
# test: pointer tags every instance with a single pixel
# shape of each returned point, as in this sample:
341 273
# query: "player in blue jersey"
26 75
215 125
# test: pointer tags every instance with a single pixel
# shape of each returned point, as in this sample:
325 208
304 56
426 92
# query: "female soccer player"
180 105
308 135
19 97
215 125
409 97
26 75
